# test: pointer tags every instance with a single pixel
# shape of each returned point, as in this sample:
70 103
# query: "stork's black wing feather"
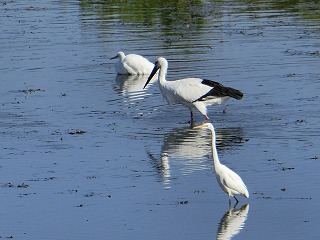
218 90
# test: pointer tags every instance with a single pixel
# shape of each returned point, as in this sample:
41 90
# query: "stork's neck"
163 73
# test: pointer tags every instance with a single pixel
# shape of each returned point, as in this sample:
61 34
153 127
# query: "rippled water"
87 154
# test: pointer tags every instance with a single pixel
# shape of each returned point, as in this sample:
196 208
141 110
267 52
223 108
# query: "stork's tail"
231 92
219 90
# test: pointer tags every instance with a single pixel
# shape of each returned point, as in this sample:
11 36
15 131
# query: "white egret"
195 93
229 181
132 64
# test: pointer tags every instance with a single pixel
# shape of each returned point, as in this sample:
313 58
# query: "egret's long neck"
214 149
122 57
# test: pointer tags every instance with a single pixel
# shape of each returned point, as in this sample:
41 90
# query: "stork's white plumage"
132 64
195 93
229 181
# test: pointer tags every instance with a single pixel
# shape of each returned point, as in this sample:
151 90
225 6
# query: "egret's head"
119 55
205 125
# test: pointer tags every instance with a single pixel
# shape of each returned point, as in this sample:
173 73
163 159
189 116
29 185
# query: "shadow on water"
173 14
232 222
189 13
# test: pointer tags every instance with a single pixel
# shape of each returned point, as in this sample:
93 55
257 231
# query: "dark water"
87 154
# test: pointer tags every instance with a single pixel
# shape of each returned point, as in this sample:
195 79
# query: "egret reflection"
232 222
185 150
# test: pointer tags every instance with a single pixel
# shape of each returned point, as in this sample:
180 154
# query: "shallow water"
87 154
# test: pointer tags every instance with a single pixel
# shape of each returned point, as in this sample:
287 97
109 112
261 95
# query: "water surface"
87 154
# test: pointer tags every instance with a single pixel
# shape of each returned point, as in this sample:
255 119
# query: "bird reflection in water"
131 85
186 150
232 222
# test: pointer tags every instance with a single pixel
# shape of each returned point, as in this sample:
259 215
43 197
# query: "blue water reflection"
232 222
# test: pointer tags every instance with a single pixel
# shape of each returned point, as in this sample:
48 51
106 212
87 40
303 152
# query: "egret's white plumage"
132 64
229 181
195 93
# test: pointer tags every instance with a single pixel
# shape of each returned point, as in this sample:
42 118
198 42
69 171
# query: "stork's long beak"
114 57
154 70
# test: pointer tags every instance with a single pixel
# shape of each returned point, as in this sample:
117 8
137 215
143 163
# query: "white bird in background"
195 93
229 181
132 64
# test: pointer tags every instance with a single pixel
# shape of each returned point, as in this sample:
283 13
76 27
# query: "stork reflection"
186 150
232 222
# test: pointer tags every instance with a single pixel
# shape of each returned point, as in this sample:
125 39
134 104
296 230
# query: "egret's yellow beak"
199 126
204 124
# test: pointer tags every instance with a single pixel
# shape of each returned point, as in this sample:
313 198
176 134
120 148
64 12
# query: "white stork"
195 93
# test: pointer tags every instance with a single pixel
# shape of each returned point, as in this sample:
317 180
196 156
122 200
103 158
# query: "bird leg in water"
192 121
192 116
192 124
234 204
